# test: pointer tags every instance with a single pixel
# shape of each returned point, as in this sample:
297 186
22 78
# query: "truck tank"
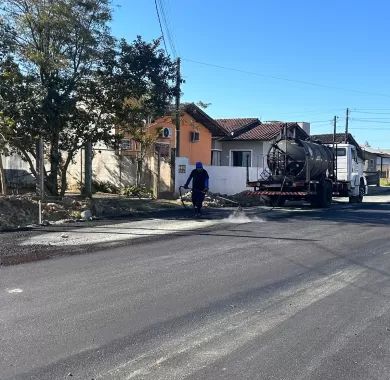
293 158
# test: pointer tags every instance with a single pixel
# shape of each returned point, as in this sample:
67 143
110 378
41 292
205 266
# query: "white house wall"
256 147
223 179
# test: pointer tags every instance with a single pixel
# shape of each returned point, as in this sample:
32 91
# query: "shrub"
104 187
137 191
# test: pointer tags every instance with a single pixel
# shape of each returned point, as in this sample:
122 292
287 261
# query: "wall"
223 179
17 171
256 147
107 166
195 151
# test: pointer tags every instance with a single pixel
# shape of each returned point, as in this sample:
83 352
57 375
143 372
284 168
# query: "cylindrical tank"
294 157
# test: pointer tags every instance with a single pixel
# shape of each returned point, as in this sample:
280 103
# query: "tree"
144 80
51 57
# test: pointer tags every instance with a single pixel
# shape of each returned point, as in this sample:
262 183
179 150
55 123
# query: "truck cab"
349 172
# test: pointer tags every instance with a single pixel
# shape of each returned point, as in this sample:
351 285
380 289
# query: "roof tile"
231 125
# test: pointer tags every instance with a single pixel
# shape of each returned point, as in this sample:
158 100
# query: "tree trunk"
88 170
3 179
64 183
55 157
139 172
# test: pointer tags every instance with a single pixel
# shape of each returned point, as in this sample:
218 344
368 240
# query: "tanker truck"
311 171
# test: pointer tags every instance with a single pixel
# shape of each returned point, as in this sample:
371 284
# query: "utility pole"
177 118
40 157
88 169
346 125
41 169
334 148
176 152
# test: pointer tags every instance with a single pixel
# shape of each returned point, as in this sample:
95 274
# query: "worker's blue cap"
199 165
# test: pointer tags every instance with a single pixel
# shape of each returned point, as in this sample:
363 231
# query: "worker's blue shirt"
200 179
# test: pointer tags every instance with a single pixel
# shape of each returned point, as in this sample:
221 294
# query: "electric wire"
166 23
161 28
307 83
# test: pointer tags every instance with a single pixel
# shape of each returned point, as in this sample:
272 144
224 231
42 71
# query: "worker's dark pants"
197 198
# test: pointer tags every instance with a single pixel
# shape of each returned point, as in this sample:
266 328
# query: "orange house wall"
197 151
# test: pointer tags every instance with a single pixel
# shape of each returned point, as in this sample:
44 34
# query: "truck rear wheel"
323 198
274 201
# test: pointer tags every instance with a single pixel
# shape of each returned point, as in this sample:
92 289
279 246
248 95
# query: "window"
194 136
241 158
341 152
216 157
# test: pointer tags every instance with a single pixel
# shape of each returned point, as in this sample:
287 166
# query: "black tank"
293 157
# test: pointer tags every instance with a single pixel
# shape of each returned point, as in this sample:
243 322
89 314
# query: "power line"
372 113
371 128
166 23
307 83
161 28
320 121
371 121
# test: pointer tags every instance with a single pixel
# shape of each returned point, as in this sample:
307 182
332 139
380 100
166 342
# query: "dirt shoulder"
22 211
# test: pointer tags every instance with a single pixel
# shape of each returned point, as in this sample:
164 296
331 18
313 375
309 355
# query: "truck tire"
274 201
358 198
323 198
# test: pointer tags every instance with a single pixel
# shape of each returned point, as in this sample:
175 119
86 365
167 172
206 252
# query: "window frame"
240 150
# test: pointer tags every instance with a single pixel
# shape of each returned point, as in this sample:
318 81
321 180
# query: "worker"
200 186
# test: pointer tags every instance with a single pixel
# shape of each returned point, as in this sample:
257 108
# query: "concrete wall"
108 166
223 179
17 171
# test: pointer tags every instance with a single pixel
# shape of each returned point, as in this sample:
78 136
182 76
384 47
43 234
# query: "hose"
211 196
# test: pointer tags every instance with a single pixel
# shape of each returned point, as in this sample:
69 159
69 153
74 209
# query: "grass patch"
385 182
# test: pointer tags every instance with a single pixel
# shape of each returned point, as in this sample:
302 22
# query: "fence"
120 169
223 179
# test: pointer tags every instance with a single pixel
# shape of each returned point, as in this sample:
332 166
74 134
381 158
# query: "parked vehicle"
310 171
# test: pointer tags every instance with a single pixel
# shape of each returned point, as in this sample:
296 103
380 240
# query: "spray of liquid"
239 216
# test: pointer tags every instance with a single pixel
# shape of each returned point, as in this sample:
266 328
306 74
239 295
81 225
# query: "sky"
288 60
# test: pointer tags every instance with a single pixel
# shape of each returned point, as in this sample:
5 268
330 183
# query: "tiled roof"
327 138
264 132
378 152
231 125
339 139
202 117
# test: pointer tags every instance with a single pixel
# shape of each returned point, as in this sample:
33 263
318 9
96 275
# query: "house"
378 160
197 130
247 141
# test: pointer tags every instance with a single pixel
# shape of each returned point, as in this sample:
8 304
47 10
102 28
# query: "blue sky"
301 60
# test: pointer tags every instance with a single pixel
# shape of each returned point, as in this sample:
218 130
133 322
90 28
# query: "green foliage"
75 214
104 187
385 182
137 191
50 85
63 77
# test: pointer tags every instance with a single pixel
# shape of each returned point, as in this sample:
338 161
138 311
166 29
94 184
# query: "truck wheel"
362 191
328 192
323 198
358 198
274 201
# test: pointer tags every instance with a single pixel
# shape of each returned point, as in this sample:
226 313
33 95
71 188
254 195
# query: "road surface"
301 297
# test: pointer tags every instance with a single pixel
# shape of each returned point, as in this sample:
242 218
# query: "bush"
385 182
137 191
104 187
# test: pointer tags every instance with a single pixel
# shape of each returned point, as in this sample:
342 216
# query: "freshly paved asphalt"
301 297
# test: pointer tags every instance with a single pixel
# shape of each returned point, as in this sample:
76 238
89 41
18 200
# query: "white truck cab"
349 169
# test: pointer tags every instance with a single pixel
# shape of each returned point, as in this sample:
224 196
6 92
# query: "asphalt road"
301 297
